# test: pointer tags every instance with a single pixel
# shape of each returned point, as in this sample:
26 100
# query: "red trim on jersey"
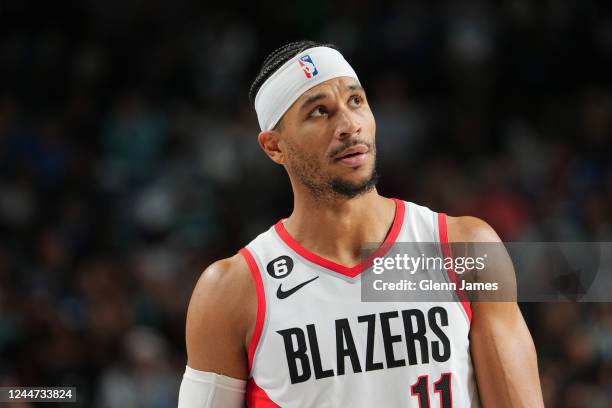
256 397
446 253
261 304
345 270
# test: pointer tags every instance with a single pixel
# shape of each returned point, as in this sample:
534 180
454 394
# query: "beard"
353 189
307 171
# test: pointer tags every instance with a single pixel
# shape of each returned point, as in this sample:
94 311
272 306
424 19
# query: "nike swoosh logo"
282 294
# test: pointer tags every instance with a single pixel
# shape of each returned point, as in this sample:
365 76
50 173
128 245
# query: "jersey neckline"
351 271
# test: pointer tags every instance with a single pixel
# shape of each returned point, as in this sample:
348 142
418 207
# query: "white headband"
304 71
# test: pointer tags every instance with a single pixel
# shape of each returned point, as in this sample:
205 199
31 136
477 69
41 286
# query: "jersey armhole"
261 305
446 253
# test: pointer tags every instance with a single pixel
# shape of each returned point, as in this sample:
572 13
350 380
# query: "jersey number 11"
420 389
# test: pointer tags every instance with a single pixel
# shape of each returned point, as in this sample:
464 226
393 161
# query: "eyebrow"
355 87
317 97
312 99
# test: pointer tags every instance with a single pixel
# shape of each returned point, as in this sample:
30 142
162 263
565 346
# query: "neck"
337 229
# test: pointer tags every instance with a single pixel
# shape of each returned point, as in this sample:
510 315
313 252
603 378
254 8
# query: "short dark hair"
277 58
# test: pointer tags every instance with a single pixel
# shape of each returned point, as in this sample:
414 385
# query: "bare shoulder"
470 229
225 279
486 245
221 314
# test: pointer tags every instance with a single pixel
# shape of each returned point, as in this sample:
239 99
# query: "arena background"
129 162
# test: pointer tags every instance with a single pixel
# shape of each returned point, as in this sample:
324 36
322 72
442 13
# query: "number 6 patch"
280 267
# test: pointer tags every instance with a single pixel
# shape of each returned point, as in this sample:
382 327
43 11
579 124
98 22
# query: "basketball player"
281 323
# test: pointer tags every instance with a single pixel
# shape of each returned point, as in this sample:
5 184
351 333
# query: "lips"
351 151
354 156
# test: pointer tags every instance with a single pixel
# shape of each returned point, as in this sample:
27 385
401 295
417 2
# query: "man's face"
328 138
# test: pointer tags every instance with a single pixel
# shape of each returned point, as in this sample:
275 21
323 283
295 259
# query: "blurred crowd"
129 162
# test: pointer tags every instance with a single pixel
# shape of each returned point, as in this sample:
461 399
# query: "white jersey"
316 344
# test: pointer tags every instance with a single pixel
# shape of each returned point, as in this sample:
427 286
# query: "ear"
270 142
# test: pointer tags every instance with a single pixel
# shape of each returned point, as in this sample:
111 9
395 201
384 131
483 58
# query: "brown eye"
318 111
356 100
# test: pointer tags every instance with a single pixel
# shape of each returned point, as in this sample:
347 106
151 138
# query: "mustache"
348 144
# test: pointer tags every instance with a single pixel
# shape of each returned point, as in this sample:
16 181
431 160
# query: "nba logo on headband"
293 78
308 66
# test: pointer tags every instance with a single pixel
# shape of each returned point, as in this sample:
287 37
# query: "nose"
348 124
